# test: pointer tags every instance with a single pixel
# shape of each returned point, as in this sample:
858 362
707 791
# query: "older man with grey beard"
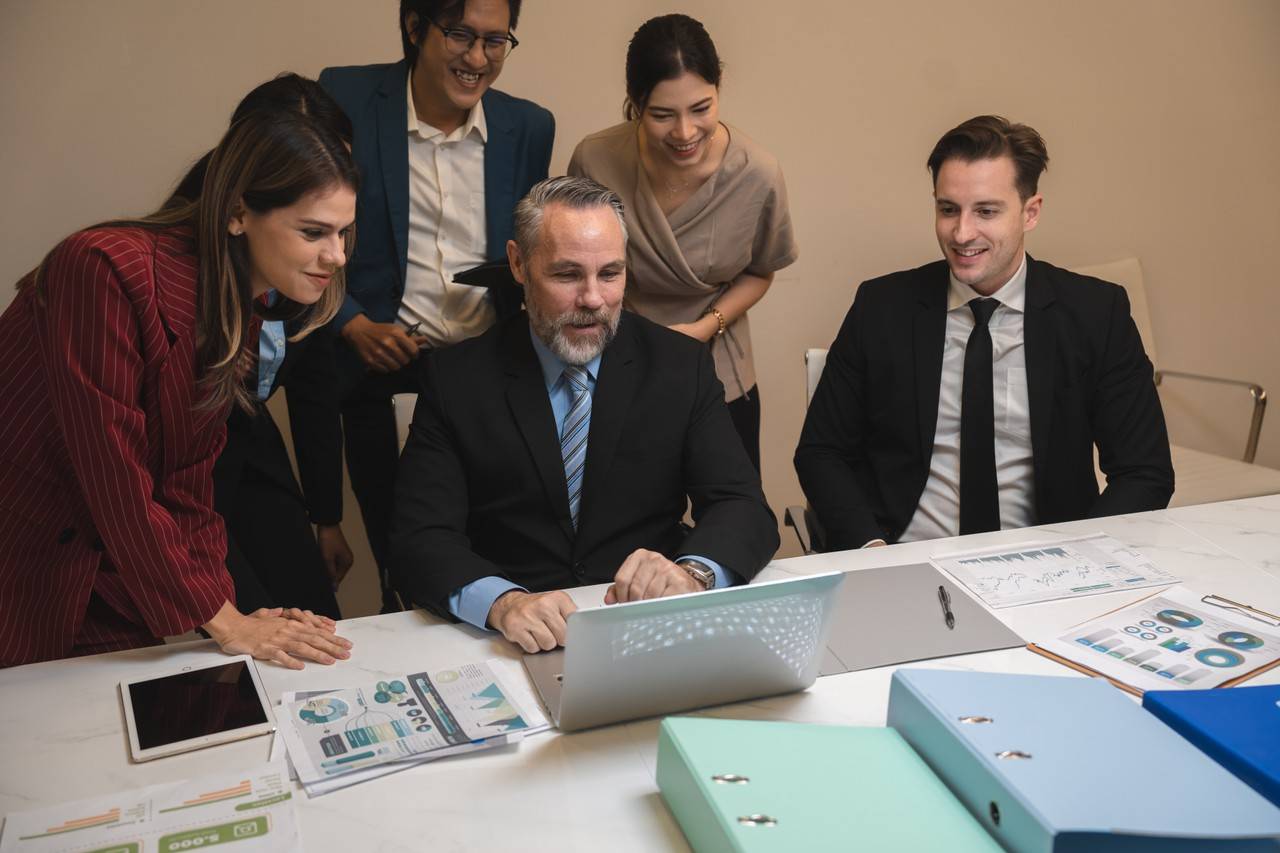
564 446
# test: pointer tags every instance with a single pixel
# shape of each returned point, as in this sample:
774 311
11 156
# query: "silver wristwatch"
699 571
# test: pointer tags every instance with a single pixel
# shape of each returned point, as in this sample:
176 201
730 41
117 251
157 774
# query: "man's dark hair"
446 13
989 137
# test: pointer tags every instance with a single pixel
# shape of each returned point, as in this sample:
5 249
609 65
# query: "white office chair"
1199 477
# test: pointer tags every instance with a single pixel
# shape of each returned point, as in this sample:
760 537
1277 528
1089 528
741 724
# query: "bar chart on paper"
1066 568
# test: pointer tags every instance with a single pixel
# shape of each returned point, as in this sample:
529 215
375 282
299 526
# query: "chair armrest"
1256 391
808 528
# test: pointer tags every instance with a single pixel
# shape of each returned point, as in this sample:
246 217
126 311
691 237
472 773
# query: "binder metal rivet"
994 811
976 719
1013 753
757 820
559 678
730 779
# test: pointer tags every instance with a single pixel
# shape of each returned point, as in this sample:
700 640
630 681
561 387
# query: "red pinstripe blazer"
108 538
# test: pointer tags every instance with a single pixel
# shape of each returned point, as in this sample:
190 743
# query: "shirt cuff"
724 577
873 542
471 603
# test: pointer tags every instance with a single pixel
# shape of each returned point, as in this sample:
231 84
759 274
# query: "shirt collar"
552 366
1012 294
475 120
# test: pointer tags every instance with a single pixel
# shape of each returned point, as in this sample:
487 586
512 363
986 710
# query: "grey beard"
551 332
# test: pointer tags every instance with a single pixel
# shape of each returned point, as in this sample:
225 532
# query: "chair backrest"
814 362
1127 273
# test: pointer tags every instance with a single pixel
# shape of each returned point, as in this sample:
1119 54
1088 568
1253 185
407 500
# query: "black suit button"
579 569
67 534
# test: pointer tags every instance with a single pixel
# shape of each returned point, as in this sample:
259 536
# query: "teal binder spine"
752 787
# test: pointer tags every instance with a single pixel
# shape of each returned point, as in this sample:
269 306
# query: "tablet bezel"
139 755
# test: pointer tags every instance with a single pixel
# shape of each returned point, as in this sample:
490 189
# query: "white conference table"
62 734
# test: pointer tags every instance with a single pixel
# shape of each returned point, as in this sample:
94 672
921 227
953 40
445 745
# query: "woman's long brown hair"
266 160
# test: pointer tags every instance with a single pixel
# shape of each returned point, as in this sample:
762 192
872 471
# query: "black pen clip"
944 598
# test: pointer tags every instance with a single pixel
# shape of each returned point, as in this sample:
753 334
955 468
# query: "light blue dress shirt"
271 344
471 603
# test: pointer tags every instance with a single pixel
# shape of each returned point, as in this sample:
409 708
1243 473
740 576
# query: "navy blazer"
867 442
516 156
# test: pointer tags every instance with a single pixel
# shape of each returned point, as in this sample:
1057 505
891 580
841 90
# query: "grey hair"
573 192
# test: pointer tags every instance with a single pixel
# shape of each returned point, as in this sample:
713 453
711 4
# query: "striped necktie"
573 436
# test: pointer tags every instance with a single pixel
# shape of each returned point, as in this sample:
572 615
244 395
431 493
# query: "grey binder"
897 615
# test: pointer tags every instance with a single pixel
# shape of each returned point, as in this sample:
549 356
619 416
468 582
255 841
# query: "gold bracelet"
719 319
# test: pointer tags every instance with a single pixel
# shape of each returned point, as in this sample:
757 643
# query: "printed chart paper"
402 719
253 809
1169 641
1046 571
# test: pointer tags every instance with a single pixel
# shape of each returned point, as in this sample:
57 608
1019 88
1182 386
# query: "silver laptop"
627 661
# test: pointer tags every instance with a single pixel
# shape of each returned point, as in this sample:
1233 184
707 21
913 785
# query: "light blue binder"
1084 768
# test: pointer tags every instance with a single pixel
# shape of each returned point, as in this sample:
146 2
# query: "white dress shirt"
446 229
938 513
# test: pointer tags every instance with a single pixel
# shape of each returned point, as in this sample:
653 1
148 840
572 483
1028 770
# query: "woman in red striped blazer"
120 358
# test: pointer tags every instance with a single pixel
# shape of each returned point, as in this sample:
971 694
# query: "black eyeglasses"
460 39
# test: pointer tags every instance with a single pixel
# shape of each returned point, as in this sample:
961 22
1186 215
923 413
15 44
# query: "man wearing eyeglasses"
444 157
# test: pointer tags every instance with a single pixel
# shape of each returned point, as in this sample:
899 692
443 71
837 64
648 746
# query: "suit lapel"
531 409
1041 345
393 156
499 177
929 331
615 389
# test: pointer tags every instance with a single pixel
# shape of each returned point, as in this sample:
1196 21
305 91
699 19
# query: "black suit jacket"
481 488
864 453
253 440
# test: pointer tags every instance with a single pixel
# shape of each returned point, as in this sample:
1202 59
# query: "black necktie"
979 495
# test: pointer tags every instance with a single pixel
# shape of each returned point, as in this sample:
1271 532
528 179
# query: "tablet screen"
194 704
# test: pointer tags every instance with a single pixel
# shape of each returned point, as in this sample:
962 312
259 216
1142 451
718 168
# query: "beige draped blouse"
677 267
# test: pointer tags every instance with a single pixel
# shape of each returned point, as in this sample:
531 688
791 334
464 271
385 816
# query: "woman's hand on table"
287 637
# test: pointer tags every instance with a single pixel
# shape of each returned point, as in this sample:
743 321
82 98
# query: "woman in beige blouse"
707 210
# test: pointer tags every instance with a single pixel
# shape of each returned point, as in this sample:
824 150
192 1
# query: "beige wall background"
1161 116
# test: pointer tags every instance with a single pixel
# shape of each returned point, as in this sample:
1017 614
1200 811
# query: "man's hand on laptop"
535 621
648 574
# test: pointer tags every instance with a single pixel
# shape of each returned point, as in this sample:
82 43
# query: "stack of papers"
1174 640
336 738
1045 571
253 808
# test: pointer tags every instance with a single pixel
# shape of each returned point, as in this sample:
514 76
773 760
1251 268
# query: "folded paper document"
1238 728
1072 764
737 785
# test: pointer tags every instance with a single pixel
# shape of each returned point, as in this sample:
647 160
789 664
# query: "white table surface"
62 736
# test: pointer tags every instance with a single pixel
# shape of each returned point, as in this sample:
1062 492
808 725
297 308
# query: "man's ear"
411 27
518 271
1031 212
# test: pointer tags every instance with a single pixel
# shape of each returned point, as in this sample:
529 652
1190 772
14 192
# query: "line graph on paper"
1046 571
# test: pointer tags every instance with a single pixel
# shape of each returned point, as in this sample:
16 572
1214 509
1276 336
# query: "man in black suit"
273 555
562 446
968 394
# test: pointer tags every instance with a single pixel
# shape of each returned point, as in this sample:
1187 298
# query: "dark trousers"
745 413
372 451
272 553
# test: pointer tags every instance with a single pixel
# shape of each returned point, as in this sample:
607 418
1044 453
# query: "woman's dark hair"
287 92
662 49
446 13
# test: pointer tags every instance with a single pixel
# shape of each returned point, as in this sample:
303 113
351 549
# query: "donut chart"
1179 619
1241 640
1220 658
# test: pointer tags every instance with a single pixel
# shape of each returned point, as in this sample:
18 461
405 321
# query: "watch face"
699 572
